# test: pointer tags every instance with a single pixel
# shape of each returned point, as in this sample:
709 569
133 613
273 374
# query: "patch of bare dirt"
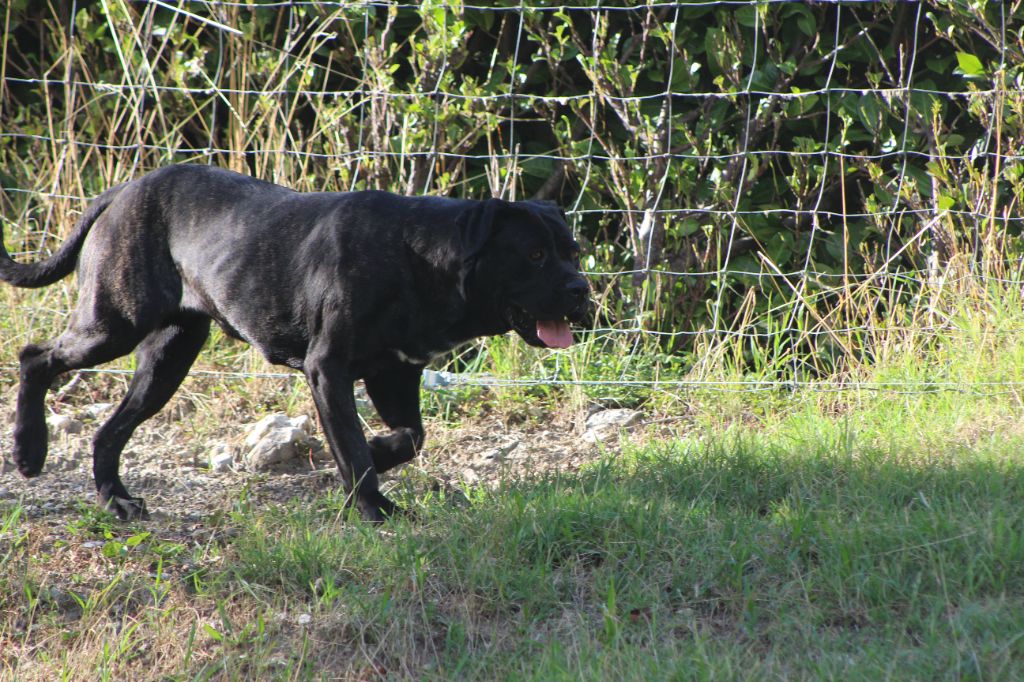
168 462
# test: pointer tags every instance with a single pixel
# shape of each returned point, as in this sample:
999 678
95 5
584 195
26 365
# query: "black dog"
342 286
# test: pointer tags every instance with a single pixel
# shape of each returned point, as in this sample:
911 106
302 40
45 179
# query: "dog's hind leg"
163 360
396 396
40 364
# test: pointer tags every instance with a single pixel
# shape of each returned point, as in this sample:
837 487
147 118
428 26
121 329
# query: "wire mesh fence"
792 185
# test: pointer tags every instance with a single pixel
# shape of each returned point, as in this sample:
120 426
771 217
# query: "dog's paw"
377 509
128 508
390 450
29 460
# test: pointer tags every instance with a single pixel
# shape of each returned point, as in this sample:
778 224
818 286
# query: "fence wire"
139 31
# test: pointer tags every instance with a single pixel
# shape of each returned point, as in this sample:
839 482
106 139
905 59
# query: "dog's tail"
60 264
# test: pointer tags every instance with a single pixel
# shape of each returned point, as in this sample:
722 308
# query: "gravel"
184 481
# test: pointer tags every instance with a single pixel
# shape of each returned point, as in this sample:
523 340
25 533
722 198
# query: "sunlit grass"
880 540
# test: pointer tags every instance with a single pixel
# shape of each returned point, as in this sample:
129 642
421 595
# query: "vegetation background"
791 173
802 223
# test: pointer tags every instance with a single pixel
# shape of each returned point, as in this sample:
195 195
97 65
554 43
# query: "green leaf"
113 549
805 20
686 227
969 64
137 539
747 16
779 247
807 24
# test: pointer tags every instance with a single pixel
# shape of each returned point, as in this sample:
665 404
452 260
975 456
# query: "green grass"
739 557
877 545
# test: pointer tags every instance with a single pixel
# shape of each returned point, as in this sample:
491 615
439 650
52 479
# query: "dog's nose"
578 293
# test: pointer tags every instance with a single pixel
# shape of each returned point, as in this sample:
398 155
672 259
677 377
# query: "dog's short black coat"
342 286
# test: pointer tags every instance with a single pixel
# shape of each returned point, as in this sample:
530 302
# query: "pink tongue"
554 333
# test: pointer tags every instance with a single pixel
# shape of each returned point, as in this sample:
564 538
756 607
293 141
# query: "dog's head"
521 264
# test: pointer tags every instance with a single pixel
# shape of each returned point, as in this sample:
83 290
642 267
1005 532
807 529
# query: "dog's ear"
476 227
549 209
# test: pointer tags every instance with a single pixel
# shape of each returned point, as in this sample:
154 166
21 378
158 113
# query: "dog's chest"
428 333
416 359
422 349
422 352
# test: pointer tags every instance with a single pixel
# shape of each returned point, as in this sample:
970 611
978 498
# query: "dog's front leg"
395 393
332 389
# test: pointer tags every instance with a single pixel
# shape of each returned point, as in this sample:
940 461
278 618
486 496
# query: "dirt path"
167 463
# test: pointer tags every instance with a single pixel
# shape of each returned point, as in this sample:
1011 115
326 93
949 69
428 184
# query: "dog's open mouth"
552 333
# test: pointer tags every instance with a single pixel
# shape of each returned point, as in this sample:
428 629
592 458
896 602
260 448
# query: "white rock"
607 424
277 438
96 409
275 447
221 462
255 433
61 423
618 417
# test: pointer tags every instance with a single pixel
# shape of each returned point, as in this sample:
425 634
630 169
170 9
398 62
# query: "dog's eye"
537 256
